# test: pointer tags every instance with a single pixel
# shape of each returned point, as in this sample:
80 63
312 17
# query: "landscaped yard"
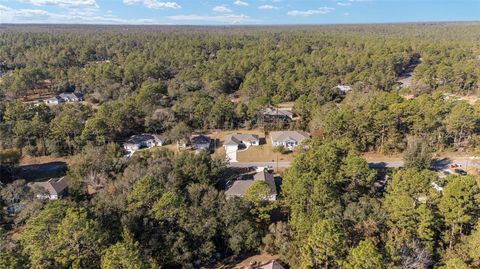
264 153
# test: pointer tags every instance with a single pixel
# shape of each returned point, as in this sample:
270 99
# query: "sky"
236 12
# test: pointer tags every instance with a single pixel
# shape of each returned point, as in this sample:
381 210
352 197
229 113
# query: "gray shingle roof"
54 186
283 136
271 265
237 139
239 187
141 138
278 112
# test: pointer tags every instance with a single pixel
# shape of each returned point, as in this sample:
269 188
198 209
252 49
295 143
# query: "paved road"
438 164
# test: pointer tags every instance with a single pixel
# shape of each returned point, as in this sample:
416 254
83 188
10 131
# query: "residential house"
234 142
240 187
54 100
344 88
200 142
139 141
288 139
65 98
270 265
71 96
276 114
52 189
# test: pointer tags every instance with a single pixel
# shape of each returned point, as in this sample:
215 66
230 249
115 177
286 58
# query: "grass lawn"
264 153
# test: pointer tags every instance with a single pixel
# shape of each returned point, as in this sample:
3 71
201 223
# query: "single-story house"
288 139
65 98
274 114
53 189
234 142
139 141
240 187
71 96
344 88
271 265
200 142
54 100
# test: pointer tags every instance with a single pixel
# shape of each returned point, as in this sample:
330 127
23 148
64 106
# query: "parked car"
460 172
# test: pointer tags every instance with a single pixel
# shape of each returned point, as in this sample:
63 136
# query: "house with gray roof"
276 114
54 100
234 142
139 141
288 139
71 96
270 265
53 189
200 142
65 98
240 186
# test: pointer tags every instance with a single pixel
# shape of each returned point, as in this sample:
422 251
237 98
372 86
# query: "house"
344 88
240 187
274 114
54 100
271 265
137 142
288 139
71 96
52 189
234 142
200 142
65 97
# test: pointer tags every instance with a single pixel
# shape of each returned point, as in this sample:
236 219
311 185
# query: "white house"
344 88
234 142
54 100
65 97
137 142
288 139
52 189
240 187
71 96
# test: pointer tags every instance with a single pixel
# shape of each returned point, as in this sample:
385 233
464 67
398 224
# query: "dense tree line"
150 79
158 209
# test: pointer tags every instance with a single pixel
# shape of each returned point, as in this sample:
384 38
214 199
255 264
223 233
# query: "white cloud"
62 3
267 7
154 4
346 14
222 9
227 18
10 15
343 4
310 12
240 3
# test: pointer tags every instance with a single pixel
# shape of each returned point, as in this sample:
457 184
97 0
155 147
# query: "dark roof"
200 139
